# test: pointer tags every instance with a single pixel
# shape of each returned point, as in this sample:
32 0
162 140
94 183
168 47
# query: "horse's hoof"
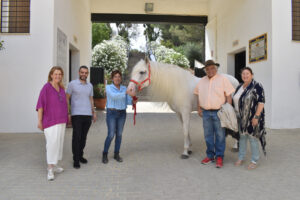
184 156
190 152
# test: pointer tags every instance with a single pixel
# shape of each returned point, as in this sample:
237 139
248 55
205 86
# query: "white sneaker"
50 175
58 169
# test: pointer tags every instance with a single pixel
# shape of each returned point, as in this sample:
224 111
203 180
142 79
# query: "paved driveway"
152 168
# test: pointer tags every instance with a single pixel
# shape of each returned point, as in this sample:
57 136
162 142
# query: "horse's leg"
189 151
190 144
185 124
184 155
179 117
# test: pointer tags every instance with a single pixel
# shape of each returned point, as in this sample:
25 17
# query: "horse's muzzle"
131 89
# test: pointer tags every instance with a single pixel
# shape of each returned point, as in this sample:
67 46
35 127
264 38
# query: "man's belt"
115 109
210 109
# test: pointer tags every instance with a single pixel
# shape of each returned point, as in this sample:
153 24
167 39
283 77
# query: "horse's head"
140 77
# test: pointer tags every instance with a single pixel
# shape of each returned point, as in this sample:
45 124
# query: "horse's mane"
170 83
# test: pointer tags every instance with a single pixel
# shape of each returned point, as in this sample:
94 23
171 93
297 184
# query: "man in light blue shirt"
80 92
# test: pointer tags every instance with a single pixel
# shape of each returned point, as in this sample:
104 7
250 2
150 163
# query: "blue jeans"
115 120
214 134
243 147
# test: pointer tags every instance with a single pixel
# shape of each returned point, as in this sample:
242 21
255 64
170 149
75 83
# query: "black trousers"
81 125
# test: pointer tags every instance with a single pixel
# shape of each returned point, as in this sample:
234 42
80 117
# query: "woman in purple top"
52 118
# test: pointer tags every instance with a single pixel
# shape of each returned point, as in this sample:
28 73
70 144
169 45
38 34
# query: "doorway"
239 63
74 62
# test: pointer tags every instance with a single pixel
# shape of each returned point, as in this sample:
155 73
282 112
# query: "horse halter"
140 84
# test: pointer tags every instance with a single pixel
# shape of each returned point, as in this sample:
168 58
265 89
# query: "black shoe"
118 158
104 158
76 165
83 160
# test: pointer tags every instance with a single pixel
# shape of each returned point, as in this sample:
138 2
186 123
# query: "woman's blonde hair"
61 84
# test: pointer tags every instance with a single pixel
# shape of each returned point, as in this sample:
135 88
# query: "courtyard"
152 167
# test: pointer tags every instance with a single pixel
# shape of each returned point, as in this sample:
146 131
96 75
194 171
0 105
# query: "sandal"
238 163
252 166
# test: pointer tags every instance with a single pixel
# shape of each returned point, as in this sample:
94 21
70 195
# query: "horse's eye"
142 72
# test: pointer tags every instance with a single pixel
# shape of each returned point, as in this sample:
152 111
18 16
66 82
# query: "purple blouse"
54 104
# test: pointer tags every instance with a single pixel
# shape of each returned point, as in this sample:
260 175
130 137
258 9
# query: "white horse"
171 84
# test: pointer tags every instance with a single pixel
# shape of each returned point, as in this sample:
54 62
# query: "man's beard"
83 78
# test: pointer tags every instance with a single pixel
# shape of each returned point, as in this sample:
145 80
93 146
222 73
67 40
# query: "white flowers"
111 55
166 55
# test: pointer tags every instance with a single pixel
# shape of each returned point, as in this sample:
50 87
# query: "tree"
179 35
151 32
186 39
193 51
100 32
127 31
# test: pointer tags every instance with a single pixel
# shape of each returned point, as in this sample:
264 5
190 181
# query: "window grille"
15 16
296 20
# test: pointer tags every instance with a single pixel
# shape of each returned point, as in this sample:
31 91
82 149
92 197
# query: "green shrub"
1 45
193 51
99 91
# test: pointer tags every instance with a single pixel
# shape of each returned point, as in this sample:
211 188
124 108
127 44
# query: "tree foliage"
193 51
177 35
151 32
186 39
100 32
167 55
127 31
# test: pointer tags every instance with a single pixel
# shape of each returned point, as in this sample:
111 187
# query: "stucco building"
39 34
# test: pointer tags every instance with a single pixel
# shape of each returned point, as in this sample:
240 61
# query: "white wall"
242 20
168 7
286 69
74 19
24 65
27 58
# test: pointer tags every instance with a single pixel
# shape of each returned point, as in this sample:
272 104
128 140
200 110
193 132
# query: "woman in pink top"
52 118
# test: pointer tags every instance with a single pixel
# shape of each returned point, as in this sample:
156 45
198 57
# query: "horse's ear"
147 60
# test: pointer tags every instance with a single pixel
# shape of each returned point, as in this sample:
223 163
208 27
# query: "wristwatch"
256 116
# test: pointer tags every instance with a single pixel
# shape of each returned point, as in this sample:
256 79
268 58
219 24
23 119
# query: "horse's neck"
171 84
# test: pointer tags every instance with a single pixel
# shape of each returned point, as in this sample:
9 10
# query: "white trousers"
54 142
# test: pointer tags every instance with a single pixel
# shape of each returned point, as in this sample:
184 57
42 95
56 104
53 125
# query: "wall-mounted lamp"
149 7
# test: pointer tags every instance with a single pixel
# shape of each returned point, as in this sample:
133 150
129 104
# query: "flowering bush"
111 55
166 55
1 45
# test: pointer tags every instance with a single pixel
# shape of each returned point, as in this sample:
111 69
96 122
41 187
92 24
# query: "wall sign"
258 49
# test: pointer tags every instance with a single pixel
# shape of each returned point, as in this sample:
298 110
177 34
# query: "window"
296 20
15 16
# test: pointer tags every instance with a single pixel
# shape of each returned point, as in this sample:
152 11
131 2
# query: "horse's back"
232 80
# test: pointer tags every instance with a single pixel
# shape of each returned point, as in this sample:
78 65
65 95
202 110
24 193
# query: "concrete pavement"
152 168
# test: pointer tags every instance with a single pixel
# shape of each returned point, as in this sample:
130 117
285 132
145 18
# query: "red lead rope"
134 108
140 84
